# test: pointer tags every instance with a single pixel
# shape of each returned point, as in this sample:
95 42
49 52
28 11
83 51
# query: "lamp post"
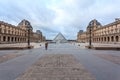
90 36
29 34
28 37
90 41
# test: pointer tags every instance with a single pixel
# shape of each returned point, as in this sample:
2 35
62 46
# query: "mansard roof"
25 23
38 32
7 24
113 23
94 23
80 31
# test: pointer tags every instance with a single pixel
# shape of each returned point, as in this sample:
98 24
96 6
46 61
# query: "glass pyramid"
60 39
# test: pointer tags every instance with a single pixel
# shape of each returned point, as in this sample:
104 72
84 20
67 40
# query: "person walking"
46 45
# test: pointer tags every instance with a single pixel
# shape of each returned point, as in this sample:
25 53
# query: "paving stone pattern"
57 67
113 58
7 57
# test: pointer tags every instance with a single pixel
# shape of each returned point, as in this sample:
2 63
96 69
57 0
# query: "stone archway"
112 39
116 38
108 39
104 39
12 39
0 38
4 38
18 39
8 39
98 39
15 39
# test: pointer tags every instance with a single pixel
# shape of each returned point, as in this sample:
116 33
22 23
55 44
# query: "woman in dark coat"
46 45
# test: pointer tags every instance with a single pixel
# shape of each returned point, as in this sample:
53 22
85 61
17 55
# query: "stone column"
13 39
6 39
119 39
114 38
1 38
10 39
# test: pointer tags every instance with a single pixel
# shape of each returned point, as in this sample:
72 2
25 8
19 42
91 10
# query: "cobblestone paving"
7 57
113 58
57 67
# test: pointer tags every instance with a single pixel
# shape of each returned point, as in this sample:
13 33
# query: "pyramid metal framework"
60 39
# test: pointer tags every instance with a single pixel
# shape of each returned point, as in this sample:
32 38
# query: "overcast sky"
54 16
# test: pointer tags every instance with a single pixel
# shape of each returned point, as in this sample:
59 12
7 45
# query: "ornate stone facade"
19 34
109 33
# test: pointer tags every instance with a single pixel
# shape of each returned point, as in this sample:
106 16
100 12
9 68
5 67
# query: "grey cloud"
54 16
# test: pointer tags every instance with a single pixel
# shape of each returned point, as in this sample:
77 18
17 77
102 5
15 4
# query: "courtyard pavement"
102 69
57 67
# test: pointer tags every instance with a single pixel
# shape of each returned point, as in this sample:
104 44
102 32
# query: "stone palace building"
109 33
19 34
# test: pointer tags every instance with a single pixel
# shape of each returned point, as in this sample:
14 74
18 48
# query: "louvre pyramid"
60 39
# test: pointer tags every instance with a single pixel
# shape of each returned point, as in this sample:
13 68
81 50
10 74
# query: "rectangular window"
4 30
8 31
